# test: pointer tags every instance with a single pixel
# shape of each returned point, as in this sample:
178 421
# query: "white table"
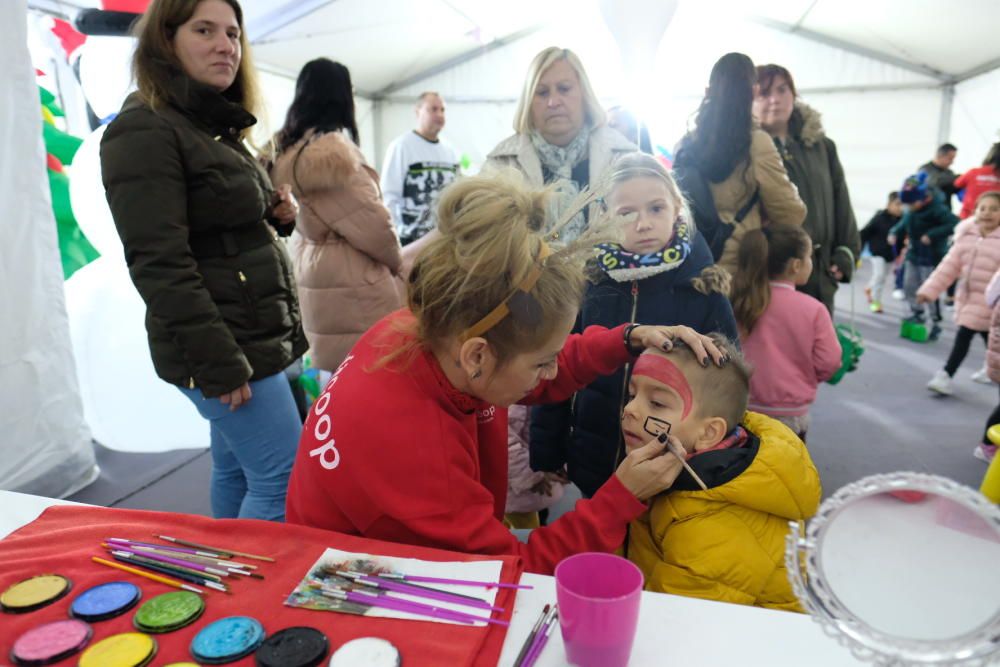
673 630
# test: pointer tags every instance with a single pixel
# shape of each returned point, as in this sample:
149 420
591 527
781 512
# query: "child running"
662 273
725 543
876 235
788 336
973 259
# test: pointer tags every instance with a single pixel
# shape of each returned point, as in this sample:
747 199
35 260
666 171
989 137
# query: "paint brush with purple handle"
397 604
453 582
418 591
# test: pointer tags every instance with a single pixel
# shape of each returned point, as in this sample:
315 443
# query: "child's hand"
923 298
926 240
891 239
650 469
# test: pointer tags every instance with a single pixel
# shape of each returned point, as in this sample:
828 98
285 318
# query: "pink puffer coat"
993 344
344 249
973 259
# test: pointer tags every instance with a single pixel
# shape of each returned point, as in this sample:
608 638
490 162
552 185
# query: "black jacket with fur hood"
812 163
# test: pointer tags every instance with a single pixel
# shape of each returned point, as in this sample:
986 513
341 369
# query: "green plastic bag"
852 345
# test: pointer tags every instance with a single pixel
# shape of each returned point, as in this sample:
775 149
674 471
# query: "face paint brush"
661 429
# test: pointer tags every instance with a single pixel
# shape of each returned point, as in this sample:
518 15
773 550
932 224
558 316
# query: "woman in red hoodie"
408 442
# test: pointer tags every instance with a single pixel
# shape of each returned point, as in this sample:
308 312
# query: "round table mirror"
903 569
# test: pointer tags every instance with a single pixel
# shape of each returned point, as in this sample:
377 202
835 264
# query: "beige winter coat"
779 198
344 249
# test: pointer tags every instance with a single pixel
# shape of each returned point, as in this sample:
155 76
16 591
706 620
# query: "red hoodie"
397 453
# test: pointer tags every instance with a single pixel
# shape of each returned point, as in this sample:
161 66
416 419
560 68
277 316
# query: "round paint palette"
34 593
50 642
227 639
129 649
105 601
293 647
169 612
369 651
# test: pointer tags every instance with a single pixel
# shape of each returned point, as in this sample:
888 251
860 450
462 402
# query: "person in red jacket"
408 442
979 180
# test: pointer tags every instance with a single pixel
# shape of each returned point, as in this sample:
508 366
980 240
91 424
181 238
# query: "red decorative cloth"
63 539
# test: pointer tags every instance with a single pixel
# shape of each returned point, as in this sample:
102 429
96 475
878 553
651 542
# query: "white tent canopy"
893 79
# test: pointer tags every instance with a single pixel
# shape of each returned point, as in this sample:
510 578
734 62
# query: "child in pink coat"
973 259
787 335
986 450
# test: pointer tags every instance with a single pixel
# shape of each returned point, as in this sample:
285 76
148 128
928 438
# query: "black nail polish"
667 346
662 438
704 362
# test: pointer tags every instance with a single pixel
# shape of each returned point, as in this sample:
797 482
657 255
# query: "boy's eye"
657 405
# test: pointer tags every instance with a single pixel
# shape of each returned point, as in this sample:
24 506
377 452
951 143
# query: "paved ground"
878 419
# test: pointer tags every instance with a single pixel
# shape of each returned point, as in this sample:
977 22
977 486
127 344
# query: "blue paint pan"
104 601
227 640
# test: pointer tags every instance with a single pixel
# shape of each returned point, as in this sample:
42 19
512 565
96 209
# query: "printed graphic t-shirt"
413 174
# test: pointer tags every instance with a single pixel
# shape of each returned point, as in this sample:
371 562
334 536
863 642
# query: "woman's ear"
474 355
712 431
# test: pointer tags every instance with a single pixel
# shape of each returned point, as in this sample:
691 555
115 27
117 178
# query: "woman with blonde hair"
561 133
193 208
409 441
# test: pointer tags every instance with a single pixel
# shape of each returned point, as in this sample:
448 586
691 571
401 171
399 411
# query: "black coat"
876 232
585 433
190 203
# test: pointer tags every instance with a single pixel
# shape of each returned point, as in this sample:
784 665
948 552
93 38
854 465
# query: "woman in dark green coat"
192 208
812 164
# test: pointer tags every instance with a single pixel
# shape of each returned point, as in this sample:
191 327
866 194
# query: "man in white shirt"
417 166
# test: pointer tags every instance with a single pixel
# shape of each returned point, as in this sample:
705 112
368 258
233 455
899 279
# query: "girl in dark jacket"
814 167
876 235
191 206
662 272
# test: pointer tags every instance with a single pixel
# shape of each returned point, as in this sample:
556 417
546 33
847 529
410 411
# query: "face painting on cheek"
655 426
665 372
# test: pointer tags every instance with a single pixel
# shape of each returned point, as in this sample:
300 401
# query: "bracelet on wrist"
627 339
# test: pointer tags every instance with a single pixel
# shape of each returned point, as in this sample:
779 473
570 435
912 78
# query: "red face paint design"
665 372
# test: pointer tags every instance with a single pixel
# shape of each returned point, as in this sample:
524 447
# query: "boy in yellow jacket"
727 542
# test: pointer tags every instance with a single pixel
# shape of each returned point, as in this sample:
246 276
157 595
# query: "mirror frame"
805 573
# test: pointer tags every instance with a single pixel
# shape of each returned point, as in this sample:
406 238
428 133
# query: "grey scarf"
560 160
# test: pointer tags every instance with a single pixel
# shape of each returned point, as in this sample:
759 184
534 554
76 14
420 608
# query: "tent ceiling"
390 41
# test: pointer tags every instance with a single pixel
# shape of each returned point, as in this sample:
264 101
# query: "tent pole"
378 106
947 104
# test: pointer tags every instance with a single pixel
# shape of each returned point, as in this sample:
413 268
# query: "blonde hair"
492 231
155 62
593 112
638 165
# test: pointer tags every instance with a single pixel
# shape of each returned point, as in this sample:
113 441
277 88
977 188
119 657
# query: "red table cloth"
63 538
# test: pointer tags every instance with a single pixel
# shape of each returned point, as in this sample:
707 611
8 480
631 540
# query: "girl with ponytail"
788 336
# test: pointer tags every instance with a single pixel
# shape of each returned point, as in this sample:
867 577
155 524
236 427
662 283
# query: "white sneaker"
941 384
982 376
898 294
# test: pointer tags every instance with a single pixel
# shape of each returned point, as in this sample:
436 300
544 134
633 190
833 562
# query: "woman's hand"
284 208
651 468
662 338
237 397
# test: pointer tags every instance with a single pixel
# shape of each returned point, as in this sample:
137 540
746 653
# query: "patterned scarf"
560 160
623 266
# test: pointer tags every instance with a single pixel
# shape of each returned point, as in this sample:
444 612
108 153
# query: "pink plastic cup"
598 597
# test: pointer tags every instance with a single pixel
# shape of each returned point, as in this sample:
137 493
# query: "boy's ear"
711 432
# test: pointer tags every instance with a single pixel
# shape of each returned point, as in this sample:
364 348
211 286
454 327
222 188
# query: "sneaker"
985 452
868 294
876 307
935 333
982 376
941 384
898 294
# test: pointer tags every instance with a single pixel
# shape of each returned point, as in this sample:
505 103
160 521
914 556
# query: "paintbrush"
661 429
218 550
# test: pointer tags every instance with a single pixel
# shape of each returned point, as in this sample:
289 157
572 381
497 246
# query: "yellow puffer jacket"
728 543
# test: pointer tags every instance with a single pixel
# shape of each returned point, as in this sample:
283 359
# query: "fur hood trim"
329 161
808 124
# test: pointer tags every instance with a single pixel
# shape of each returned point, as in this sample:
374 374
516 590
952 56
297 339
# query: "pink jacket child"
793 347
993 344
525 486
973 259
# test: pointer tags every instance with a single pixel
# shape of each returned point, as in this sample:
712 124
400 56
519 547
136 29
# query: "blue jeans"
253 449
